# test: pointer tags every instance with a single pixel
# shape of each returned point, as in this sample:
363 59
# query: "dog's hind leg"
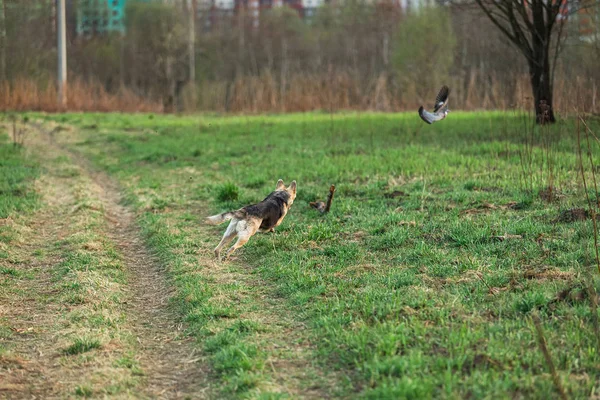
227 236
244 234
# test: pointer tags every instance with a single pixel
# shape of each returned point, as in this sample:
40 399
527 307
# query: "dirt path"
167 365
171 363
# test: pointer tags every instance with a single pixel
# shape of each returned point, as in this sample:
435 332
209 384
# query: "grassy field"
421 281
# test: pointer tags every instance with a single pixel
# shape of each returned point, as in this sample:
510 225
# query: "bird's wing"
441 100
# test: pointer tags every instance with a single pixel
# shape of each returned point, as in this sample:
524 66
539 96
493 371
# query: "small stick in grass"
593 296
330 198
547 356
321 206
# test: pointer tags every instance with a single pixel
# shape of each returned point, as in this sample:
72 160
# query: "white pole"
192 9
192 40
62 53
2 42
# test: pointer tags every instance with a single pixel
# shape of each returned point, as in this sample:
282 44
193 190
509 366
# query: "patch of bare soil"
170 364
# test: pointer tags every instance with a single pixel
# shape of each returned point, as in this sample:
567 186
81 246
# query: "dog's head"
291 190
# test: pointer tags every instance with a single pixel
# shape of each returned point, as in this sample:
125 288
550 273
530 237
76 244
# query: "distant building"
583 19
100 16
309 8
588 23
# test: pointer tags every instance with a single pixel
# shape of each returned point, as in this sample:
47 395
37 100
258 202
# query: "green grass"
82 345
17 171
404 287
228 192
129 363
84 391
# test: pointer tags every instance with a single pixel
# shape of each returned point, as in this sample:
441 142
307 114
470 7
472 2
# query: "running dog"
263 217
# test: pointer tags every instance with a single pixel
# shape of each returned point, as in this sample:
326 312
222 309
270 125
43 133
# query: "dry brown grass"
344 91
27 95
330 91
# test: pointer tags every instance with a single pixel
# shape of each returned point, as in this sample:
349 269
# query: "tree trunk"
284 73
385 48
122 62
170 103
529 25
241 42
539 66
541 86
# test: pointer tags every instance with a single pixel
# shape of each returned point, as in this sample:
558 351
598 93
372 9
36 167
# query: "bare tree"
533 26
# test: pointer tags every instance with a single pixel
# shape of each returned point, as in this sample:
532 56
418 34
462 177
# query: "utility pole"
62 52
2 42
192 48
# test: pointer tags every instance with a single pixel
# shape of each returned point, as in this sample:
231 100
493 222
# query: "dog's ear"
292 187
280 185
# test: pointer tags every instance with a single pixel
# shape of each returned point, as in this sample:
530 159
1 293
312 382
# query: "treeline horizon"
355 57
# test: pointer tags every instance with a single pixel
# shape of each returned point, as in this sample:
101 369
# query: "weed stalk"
592 208
587 195
544 349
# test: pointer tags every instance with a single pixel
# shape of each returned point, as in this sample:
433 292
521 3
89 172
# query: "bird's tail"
423 115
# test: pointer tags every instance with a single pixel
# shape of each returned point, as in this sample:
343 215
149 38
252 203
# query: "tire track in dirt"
172 367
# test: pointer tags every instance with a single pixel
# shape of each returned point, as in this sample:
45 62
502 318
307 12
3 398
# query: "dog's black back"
271 209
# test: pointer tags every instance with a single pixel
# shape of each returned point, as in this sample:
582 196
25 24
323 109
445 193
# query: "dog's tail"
219 218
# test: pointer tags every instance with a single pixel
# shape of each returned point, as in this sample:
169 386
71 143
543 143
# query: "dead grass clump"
550 194
547 273
481 361
573 215
394 194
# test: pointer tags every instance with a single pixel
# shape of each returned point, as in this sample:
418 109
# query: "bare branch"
523 12
557 50
497 11
494 18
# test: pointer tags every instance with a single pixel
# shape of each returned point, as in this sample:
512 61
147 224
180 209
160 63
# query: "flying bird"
440 109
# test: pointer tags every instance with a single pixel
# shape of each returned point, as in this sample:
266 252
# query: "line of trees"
359 56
